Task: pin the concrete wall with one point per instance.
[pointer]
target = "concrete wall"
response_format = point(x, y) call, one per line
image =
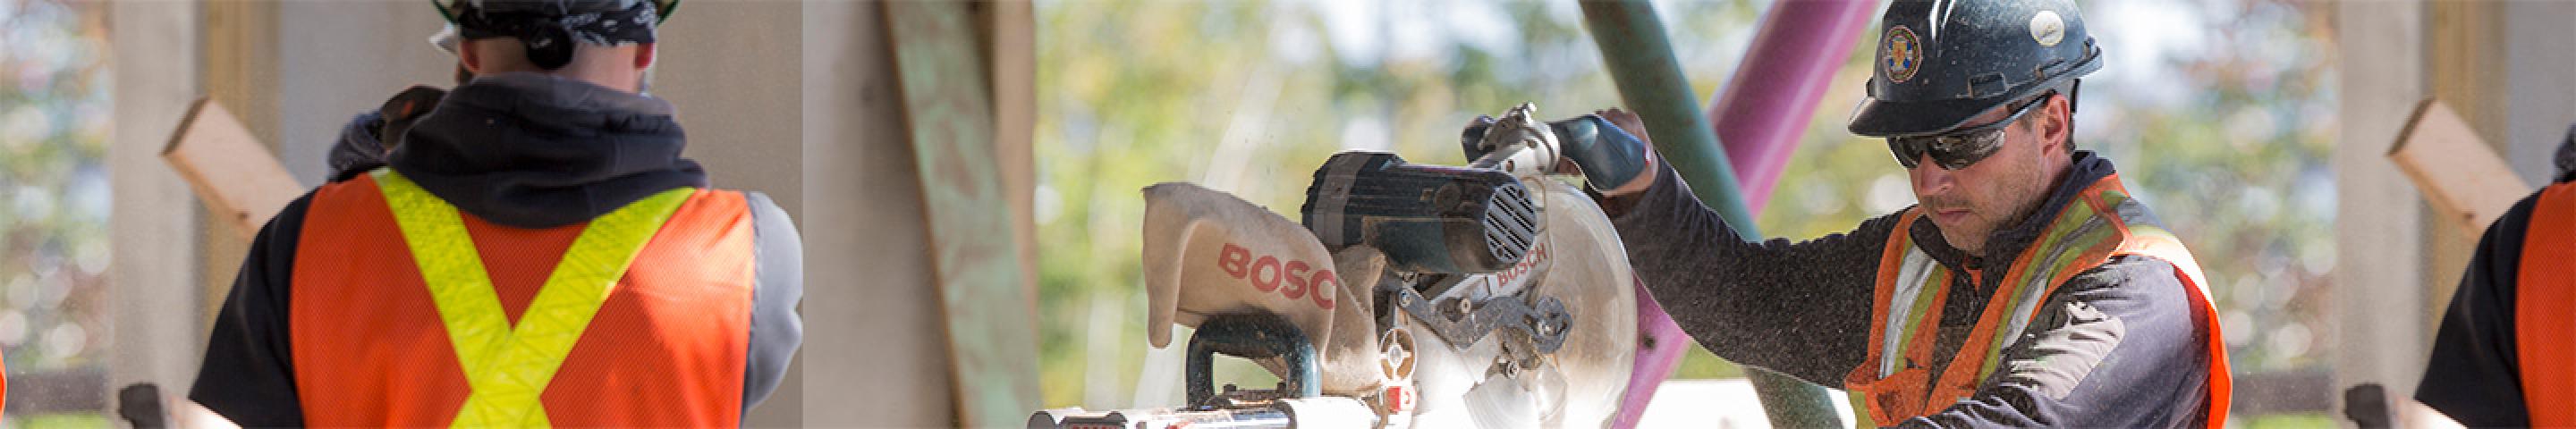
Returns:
point(867, 247)
point(2380, 221)
point(2539, 60)
point(153, 241)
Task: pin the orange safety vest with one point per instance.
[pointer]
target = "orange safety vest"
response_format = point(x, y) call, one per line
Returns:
point(2545, 286)
point(1896, 384)
point(663, 345)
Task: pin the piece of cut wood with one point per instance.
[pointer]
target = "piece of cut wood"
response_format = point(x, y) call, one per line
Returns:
point(989, 310)
point(235, 175)
point(2467, 183)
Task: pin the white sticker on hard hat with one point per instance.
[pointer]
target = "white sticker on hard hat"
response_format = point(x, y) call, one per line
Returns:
point(2047, 28)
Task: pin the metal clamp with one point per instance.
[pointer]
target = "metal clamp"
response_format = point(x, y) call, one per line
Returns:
point(1260, 335)
point(1544, 322)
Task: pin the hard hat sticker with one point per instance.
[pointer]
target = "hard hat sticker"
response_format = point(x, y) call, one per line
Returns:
point(2047, 28)
point(1901, 54)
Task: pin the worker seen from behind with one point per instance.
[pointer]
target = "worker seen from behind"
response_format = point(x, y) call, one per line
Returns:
point(2502, 357)
point(2025, 288)
point(535, 252)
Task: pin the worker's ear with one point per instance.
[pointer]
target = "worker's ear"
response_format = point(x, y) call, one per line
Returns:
point(2053, 124)
point(644, 56)
point(469, 58)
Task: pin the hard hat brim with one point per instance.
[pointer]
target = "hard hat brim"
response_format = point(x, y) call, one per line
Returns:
point(1881, 118)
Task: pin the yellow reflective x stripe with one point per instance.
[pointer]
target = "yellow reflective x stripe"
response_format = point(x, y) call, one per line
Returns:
point(507, 369)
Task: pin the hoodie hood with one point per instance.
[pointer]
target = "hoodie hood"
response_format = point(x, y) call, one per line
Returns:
point(538, 151)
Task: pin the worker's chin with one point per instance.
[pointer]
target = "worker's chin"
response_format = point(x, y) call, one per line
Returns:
point(1964, 237)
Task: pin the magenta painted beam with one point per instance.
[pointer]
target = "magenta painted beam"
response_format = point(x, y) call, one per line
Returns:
point(1664, 343)
point(1758, 119)
point(1773, 95)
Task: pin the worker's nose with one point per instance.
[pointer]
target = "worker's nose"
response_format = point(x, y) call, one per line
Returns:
point(1930, 178)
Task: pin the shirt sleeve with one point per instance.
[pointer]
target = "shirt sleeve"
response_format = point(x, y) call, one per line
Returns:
point(2474, 373)
point(779, 283)
point(2120, 345)
point(1799, 308)
point(249, 372)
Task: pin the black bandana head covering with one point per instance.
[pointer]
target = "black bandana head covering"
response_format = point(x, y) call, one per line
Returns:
point(549, 28)
point(2567, 156)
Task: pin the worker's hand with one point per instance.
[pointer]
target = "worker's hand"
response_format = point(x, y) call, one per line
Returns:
point(1611, 150)
point(1608, 148)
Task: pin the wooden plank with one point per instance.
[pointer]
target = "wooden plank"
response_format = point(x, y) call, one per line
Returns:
point(1010, 28)
point(240, 63)
point(990, 314)
point(2466, 182)
point(236, 176)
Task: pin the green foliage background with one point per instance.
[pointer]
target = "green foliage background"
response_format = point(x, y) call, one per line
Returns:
point(53, 192)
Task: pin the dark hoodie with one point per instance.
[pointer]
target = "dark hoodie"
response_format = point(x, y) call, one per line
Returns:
point(2475, 371)
point(2116, 346)
point(522, 150)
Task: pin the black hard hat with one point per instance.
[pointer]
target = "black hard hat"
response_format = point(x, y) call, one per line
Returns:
point(1941, 62)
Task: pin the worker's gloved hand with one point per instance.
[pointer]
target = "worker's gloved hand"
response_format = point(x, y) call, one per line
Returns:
point(1610, 148)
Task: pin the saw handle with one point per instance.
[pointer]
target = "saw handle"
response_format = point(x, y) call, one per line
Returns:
point(1603, 153)
point(1260, 335)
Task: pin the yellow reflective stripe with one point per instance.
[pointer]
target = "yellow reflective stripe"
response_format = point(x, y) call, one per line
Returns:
point(1905, 302)
point(2033, 273)
point(2070, 239)
point(448, 263)
point(508, 369)
point(1859, 403)
point(1934, 286)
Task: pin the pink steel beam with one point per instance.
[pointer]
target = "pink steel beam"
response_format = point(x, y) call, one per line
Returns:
point(1773, 95)
point(1766, 105)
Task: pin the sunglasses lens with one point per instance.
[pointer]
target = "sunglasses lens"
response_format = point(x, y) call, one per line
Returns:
point(1906, 149)
point(1950, 152)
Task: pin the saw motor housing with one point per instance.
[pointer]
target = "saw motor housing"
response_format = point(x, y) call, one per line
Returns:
point(1426, 218)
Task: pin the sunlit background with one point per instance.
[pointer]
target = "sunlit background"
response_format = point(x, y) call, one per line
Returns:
point(2218, 113)
point(53, 210)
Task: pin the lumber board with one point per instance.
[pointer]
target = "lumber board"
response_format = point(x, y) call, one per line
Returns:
point(239, 180)
point(2467, 183)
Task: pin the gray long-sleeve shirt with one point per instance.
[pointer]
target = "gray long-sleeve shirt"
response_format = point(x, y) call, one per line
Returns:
point(2120, 345)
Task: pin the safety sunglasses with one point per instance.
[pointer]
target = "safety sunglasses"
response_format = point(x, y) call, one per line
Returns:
point(1959, 149)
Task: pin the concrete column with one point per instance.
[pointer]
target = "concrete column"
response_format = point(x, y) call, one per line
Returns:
point(2538, 59)
point(878, 357)
point(2379, 224)
point(154, 242)
point(335, 59)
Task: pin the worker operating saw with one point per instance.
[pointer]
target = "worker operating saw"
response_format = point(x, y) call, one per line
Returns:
point(1493, 294)
point(2026, 287)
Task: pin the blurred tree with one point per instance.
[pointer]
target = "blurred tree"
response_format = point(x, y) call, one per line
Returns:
point(53, 190)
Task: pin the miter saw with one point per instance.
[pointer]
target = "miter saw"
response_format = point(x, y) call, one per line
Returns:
point(1485, 295)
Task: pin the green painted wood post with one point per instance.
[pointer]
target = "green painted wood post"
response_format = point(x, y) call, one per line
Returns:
point(1640, 58)
point(990, 313)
